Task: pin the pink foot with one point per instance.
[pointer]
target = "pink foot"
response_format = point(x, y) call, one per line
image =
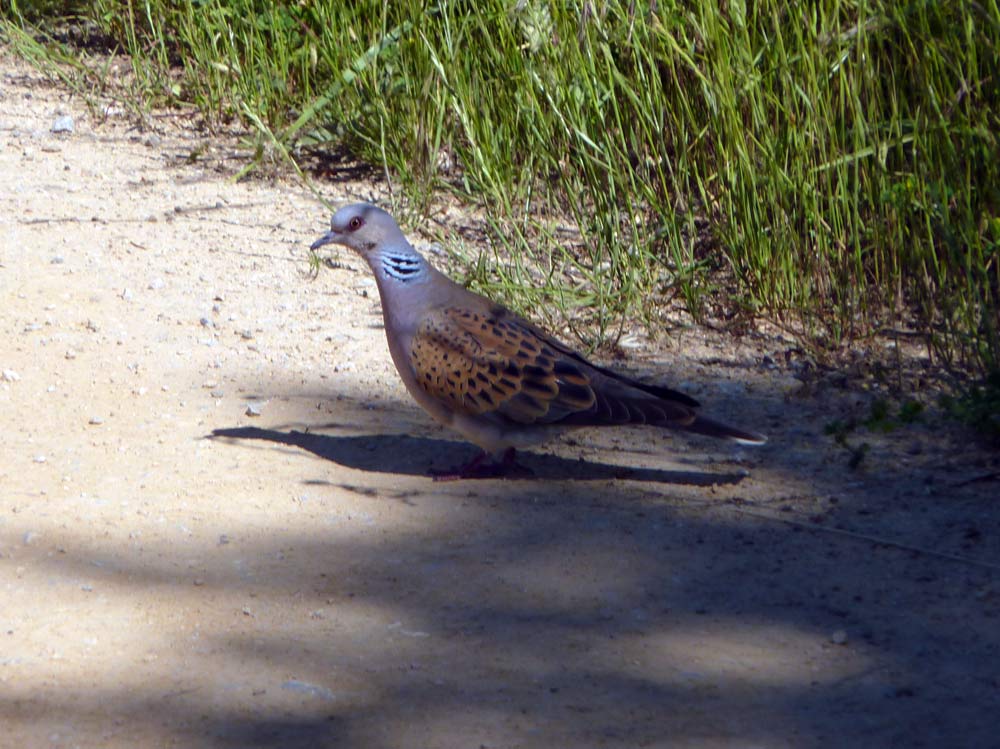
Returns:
point(481, 467)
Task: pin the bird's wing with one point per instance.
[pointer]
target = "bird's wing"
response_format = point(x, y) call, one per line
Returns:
point(492, 362)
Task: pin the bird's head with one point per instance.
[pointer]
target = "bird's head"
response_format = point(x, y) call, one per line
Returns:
point(362, 227)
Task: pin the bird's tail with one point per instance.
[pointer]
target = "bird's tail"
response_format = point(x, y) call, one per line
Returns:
point(711, 428)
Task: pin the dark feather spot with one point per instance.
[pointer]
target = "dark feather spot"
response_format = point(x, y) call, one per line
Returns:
point(563, 367)
point(541, 389)
point(532, 403)
point(530, 370)
point(577, 394)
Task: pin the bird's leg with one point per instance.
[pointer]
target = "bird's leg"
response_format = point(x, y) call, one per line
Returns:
point(479, 468)
point(460, 472)
point(509, 458)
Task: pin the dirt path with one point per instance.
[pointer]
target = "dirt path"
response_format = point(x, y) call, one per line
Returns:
point(296, 581)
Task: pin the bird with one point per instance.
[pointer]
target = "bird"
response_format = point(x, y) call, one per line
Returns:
point(496, 378)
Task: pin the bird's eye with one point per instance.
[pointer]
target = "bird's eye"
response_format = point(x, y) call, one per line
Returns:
point(355, 223)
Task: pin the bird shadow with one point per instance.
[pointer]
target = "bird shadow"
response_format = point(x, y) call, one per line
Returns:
point(413, 456)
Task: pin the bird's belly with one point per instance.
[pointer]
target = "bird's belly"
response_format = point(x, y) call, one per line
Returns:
point(494, 436)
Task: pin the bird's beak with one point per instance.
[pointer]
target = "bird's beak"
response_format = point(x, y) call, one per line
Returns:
point(325, 239)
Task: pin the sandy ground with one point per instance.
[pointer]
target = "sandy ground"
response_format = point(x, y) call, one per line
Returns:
point(175, 571)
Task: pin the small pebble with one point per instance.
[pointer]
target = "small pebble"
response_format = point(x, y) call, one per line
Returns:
point(96, 420)
point(40, 458)
point(9, 375)
point(839, 637)
point(253, 409)
point(156, 284)
point(57, 260)
point(63, 124)
point(70, 354)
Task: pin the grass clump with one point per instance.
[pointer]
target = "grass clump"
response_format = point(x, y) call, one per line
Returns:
point(833, 164)
point(979, 407)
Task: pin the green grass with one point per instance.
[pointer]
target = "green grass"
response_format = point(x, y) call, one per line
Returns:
point(979, 407)
point(833, 164)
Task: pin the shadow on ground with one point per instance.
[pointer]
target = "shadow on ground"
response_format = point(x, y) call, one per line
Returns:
point(413, 456)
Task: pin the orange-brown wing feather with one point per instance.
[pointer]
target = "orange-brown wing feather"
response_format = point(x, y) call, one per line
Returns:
point(484, 363)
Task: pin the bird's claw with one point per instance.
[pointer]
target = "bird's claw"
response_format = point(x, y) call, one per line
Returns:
point(481, 467)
